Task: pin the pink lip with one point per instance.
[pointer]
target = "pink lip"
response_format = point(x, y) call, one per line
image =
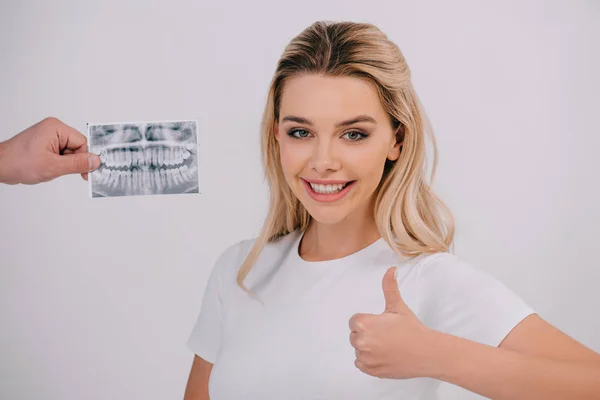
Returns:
point(327, 198)
point(323, 182)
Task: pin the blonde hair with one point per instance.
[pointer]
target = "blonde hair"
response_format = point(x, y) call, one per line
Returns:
point(409, 216)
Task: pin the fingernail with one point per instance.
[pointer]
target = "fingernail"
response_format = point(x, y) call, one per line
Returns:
point(93, 162)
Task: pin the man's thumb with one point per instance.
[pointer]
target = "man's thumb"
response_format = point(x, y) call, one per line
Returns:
point(393, 300)
point(77, 163)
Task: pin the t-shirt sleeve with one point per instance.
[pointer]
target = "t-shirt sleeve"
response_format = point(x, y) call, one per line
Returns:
point(205, 338)
point(463, 301)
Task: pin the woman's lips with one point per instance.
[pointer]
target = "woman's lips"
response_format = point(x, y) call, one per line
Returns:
point(327, 197)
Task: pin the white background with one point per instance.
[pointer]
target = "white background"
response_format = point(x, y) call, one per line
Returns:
point(98, 296)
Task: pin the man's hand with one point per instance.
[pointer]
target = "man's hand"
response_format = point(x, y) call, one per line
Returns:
point(43, 152)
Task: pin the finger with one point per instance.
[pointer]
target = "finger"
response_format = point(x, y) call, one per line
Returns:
point(393, 300)
point(353, 337)
point(70, 138)
point(75, 163)
point(82, 149)
point(358, 364)
point(357, 322)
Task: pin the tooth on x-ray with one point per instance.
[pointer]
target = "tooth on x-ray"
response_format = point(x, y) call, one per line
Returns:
point(144, 158)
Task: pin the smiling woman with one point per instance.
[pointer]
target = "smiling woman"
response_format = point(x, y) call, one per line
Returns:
point(351, 279)
point(333, 161)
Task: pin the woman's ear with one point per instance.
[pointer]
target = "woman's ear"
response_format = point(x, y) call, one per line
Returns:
point(400, 134)
point(276, 130)
point(394, 152)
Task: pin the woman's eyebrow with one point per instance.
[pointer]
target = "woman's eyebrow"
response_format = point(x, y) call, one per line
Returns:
point(300, 120)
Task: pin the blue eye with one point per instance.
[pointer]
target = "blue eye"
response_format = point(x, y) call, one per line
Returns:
point(298, 133)
point(355, 136)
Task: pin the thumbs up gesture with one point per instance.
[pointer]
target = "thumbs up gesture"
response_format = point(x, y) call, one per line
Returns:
point(393, 344)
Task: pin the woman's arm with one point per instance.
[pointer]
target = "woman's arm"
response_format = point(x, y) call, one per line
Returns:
point(197, 385)
point(535, 361)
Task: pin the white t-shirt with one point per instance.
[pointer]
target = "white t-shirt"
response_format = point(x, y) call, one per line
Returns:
point(294, 342)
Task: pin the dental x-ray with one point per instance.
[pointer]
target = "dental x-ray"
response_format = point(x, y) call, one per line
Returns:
point(144, 158)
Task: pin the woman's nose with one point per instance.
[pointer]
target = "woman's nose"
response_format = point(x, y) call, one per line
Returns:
point(324, 157)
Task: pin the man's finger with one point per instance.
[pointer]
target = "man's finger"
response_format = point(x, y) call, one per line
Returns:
point(70, 138)
point(78, 163)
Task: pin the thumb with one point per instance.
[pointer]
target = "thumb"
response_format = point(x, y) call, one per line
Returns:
point(393, 300)
point(76, 163)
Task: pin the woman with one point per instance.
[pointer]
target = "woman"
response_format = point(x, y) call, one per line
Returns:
point(350, 291)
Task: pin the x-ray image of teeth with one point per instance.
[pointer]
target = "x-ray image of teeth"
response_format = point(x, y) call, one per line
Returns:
point(144, 158)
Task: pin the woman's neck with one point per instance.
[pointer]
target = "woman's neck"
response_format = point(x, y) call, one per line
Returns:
point(322, 242)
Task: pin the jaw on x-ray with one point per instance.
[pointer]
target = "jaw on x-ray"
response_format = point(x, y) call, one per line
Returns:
point(144, 158)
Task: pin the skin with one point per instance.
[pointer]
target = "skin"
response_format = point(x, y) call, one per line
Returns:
point(45, 151)
point(319, 149)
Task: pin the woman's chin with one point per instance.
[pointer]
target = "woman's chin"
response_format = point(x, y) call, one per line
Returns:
point(327, 214)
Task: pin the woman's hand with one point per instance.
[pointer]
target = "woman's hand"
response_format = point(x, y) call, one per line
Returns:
point(394, 344)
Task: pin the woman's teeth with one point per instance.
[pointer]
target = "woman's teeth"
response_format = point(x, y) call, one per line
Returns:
point(327, 189)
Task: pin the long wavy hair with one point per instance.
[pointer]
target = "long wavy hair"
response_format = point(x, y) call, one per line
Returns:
point(409, 216)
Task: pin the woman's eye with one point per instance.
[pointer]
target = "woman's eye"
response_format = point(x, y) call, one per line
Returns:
point(356, 136)
point(299, 133)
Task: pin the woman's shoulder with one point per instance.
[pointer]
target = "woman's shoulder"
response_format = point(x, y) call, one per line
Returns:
point(446, 266)
point(441, 259)
point(236, 253)
point(445, 272)
point(466, 300)
point(244, 246)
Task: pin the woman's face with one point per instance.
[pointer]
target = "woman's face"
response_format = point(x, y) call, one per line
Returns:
point(334, 137)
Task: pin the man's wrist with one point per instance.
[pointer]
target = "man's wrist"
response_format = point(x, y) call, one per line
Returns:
point(2, 145)
point(3, 163)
